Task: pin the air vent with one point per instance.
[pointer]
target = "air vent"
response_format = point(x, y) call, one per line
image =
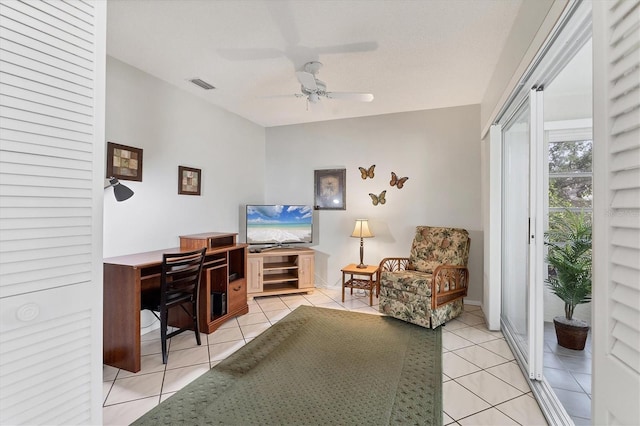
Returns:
point(202, 83)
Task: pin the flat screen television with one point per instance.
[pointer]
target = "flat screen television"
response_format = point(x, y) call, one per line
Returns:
point(279, 224)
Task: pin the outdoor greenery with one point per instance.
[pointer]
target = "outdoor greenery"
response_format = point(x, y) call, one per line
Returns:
point(566, 191)
point(569, 255)
point(566, 158)
point(570, 156)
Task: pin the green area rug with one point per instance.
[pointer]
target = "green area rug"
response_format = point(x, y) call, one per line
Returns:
point(319, 366)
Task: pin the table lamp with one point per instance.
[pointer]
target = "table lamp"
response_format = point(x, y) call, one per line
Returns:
point(120, 191)
point(362, 231)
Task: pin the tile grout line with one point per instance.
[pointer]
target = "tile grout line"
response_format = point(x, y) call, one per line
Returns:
point(479, 396)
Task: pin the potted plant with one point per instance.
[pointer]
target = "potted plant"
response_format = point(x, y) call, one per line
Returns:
point(569, 255)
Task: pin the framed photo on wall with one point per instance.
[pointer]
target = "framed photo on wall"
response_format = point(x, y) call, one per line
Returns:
point(330, 189)
point(124, 162)
point(189, 180)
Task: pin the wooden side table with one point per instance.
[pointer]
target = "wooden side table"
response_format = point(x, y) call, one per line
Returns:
point(370, 283)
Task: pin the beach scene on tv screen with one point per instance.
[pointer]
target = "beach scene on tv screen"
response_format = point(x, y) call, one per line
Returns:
point(279, 224)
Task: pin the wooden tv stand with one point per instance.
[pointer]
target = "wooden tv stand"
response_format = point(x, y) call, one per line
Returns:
point(280, 271)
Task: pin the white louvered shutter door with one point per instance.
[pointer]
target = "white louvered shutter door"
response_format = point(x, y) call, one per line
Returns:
point(616, 286)
point(52, 57)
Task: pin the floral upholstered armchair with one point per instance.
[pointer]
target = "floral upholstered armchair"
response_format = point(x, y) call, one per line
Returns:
point(427, 287)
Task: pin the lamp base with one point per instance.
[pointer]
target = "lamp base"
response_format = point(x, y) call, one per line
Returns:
point(361, 266)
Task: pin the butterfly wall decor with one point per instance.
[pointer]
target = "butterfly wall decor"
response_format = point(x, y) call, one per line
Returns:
point(397, 182)
point(378, 199)
point(367, 173)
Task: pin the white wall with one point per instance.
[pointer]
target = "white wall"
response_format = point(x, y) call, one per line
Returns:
point(175, 128)
point(438, 150)
point(567, 106)
point(570, 95)
point(492, 225)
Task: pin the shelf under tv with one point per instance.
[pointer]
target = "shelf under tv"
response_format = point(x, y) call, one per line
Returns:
point(280, 271)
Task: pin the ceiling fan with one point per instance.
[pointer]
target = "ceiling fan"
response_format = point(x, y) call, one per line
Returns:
point(313, 89)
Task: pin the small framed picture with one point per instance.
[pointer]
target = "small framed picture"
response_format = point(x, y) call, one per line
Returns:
point(124, 162)
point(189, 180)
point(330, 189)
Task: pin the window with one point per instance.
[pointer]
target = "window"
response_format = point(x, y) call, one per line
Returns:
point(570, 174)
point(570, 177)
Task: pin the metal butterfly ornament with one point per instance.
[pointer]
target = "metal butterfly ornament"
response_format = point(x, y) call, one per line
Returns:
point(378, 199)
point(399, 183)
point(367, 173)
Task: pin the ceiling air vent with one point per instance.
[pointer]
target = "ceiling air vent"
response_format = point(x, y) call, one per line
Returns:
point(202, 83)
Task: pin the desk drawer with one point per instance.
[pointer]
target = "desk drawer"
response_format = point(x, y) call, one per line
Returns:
point(237, 294)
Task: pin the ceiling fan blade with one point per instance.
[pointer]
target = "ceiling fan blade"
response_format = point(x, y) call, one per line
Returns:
point(293, 95)
point(307, 80)
point(315, 107)
point(360, 97)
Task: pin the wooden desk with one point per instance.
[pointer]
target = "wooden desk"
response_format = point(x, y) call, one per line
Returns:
point(371, 272)
point(126, 276)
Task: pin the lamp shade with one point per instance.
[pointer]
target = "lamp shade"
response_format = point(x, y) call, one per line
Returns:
point(361, 229)
point(120, 191)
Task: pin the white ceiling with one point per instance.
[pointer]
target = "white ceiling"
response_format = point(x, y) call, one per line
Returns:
point(411, 54)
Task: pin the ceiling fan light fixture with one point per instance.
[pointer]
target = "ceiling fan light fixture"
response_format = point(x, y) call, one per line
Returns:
point(312, 67)
point(313, 89)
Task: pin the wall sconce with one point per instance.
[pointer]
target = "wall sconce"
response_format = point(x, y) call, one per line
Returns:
point(361, 231)
point(120, 191)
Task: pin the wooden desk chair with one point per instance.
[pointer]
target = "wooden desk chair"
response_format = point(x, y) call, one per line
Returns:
point(180, 284)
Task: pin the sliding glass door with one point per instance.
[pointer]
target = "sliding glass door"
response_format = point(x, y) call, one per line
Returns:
point(515, 223)
point(522, 220)
point(525, 196)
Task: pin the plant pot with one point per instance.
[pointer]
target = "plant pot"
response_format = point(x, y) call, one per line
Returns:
point(571, 334)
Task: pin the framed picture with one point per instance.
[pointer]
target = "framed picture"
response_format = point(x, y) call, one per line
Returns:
point(124, 162)
point(330, 189)
point(189, 180)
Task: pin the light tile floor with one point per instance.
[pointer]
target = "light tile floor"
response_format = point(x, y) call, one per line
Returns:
point(482, 384)
point(569, 374)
